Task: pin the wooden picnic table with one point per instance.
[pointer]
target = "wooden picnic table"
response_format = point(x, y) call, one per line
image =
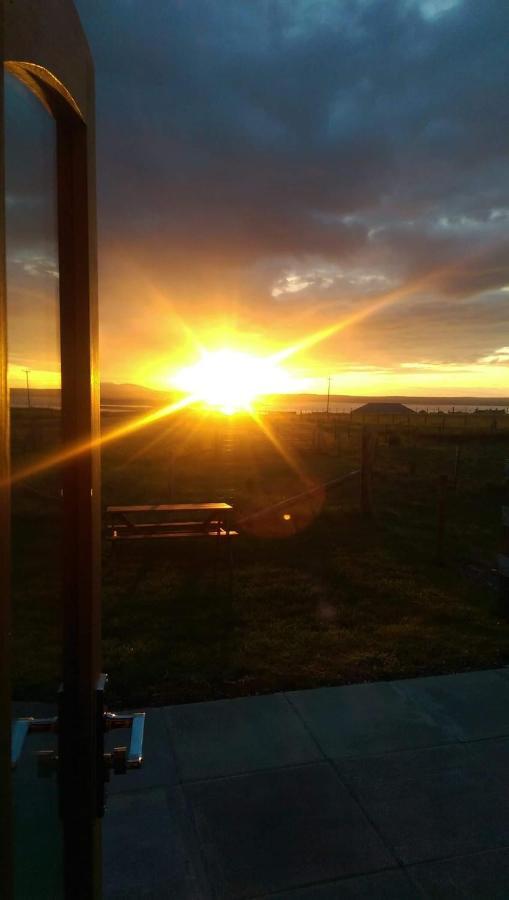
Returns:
point(170, 520)
point(172, 507)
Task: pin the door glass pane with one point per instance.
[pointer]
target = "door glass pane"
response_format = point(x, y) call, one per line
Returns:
point(34, 382)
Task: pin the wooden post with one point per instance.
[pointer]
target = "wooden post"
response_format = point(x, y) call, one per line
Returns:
point(505, 530)
point(457, 460)
point(412, 461)
point(503, 581)
point(503, 557)
point(366, 467)
point(441, 518)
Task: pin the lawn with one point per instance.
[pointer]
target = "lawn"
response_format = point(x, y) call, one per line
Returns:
point(342, 599)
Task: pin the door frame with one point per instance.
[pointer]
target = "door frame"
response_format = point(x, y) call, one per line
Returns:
point(44, 45)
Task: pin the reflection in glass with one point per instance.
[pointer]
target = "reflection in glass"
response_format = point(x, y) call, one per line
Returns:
point(34, 382)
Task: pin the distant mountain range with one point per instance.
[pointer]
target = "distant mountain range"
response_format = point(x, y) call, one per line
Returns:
point(407, 398)
point(135, 393)
point(118, 392)
point(131, 392)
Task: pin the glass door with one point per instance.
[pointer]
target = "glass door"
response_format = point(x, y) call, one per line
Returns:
point(33, 331)
point(52, 652)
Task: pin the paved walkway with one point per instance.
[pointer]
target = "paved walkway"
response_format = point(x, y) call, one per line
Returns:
point(388, 791)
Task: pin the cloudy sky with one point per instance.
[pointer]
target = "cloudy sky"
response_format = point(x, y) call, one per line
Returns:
point(273, 169)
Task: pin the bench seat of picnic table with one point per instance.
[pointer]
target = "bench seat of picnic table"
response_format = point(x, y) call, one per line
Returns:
point(126, 536)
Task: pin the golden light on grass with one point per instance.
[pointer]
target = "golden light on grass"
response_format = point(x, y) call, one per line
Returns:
point(231, 380)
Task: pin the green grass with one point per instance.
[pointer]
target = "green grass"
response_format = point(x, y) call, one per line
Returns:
point(344, 600)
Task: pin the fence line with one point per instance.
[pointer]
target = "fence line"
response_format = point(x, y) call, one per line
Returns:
point(283, 504)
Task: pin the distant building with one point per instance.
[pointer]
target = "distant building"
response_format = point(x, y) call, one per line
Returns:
point(371, 411)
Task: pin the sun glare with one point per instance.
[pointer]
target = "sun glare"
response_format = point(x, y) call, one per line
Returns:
point(230, 380)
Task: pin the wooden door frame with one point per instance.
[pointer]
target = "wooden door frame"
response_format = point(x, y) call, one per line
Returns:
point(44, 46)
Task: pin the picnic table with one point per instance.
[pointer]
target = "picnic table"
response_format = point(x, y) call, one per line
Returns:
point(170, 520)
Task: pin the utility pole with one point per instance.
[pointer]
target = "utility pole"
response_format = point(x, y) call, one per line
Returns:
point(328, 394)
point(27, 372)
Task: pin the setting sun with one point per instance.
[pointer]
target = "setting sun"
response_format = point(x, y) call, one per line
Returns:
point(230, 380)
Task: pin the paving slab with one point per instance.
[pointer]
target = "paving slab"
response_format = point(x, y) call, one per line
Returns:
point(493, 754)
point(270, 831)
point(482, 876)
point(435, 803)
point(503, 671)
point(158, 767)
point(148, 848)
point(312, 795)
point(391, 885)
point(226, 737)
point(367, 718)
point(472, 705)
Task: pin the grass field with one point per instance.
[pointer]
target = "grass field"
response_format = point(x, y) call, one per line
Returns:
point(343, 599)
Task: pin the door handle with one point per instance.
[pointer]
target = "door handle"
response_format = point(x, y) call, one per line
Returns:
point(121, 759)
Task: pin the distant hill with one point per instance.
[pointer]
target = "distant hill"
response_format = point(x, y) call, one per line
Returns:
point(115, 393)
point(111, 393)
point(416, 401)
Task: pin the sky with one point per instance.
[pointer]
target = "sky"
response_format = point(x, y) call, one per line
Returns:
point(274, 170)
point(31, 245)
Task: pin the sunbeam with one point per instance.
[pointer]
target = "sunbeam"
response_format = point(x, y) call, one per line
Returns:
point(76, 450)
point(284, 452)
point(381, 302)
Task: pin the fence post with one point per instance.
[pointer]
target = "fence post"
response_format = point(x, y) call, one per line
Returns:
point(505, 530)
point(441, 517)
point(503, 581)
point(503, 557)
point(366, 471)
point(412, 461)
point(457, 460)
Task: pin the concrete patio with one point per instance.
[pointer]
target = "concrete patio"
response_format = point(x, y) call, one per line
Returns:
point(393, 790)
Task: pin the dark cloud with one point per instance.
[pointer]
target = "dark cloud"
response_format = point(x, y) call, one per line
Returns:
point(240, 113)
point(239, 140)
